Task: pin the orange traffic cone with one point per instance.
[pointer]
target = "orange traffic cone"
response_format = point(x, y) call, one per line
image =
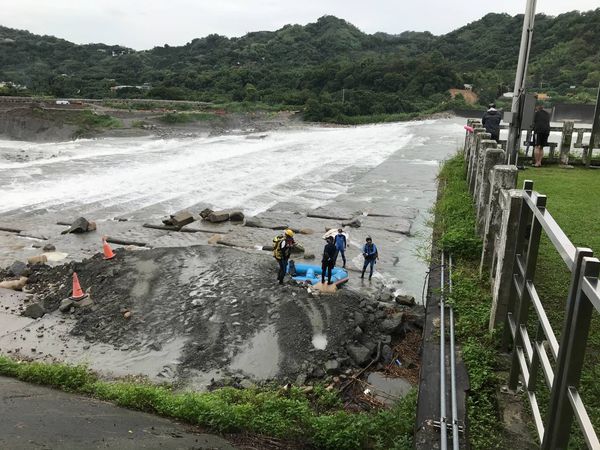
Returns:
point(77, 291)
point(108, 253)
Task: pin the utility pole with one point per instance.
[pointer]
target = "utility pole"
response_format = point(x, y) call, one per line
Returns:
point(513, 142)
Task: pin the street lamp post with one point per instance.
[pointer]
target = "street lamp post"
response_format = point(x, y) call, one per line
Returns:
point(514, 132)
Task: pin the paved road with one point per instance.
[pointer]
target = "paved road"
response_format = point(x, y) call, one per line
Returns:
point(35, 417)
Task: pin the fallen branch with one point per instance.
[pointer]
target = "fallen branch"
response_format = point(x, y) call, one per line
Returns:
point(174, 228)
point(125, 242)
point(10, 230)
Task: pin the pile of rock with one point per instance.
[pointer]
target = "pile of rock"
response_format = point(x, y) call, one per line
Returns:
point(211, 216)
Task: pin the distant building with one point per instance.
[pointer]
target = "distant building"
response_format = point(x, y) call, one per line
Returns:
point(10, 84)
point(63, 102)
point(142, 87)
point(468, 87)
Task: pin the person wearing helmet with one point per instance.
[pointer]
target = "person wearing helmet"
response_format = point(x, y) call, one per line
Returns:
point(328, 261)
point(340, 245)
point(371, 255)
point(282, 249)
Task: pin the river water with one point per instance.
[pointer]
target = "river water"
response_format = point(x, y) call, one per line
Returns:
point(120, 175)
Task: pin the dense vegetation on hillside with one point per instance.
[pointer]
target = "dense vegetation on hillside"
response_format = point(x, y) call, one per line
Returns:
point(329, 68)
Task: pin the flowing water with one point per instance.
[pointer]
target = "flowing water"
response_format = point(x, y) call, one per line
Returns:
point(124, 176)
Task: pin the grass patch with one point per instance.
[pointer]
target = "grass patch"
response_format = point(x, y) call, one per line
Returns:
point(316, 418)
point(181, 118)
point(85, 120)
point(455, 228)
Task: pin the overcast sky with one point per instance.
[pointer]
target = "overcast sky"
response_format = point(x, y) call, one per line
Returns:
point(143, 24)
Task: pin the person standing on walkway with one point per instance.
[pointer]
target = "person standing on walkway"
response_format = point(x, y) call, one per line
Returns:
point(282, 249)
point(328, 260)
point(541, 129)
point(491, 121)
point(371, 255)
point(340, 245)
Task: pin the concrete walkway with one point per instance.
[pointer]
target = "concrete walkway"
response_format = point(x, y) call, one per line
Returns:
point(35, 417)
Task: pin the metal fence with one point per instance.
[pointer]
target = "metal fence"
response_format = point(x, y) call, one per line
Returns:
point(531, 355)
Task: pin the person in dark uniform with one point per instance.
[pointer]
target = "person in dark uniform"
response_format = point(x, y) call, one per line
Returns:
point(328, 261)
point(371, 255)
point(541, 129)
point(491, 121)
point(340, 245)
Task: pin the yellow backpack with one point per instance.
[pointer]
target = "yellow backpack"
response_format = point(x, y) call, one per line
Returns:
point(277, 246)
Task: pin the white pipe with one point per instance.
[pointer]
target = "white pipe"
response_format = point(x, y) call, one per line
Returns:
point(455, 443)
point(443, 430)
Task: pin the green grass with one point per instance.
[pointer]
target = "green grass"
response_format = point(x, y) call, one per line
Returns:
point(181, 118)
point(573, 202)
point(85, 120)
point(455, 231)
point(316, 418)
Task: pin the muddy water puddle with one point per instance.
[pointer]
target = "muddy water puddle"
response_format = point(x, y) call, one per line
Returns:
point(386, 389)
point(259, 358)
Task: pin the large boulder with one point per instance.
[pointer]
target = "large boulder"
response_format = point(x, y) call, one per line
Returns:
point(179, 219)
point(217, 217)
point(15, 285)
point(332, 367)
point(393, 324)
point(205, 213)
point(407, 300)
point(65, 305)
point(80, 225)
point(359, 318)
point(17, 269)
point(34, 311)
point(38, 259)
point(236, 216)
point(359, 353)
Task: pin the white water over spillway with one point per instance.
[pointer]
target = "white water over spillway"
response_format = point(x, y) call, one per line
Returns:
point(122, 175)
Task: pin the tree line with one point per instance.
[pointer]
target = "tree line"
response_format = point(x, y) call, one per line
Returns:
point(329, 69)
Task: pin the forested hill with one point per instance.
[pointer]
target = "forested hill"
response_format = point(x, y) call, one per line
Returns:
point(310, 66)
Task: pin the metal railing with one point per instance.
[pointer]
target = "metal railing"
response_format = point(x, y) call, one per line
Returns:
point(529, 356)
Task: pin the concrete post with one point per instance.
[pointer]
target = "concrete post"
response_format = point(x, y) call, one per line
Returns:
point(473, 152)
point(469, 142)
point(480, 135)
point(504, 256)
point(565, 142)
point(481, 177)
point(503, 177)
point(493, 156)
